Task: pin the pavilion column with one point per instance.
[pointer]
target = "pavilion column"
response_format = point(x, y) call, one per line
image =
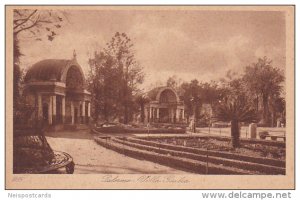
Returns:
point(72, 112)
point(89, 111)
point(177, 114)
point(40, 107)
point(183, 114)
point(150, 116)
point(63, 109)
point(146, 115)
point(54, 109)
point(83, 112)
point(157, 113)
point(172, 114)
point(50, 111)
point(79, 114)
point(153, 113)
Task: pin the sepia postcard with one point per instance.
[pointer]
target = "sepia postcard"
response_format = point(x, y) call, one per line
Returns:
point(150, 97)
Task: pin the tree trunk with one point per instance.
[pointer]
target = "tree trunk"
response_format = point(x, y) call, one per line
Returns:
point(105, 112)
point(265, 110)
point(16, 78)
point(257, 102)
point(126, 101)
point(126, 113)
point(194, 119)
point(235, 133)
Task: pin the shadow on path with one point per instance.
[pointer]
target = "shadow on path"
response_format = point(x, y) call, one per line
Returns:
point(78, 134)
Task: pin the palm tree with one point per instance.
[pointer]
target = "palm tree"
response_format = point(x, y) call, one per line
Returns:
point(235, 111)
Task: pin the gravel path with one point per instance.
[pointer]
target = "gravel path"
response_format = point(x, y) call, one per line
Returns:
point(91, 158)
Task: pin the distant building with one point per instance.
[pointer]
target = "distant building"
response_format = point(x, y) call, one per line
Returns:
point(57, 88)
point(164, 106)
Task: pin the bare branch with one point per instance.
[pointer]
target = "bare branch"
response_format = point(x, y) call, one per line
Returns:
point(25, 20)
point(28, 27)
point(17, 11)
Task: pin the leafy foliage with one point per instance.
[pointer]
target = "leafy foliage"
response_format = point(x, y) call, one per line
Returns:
point(192, 97)
point(102, 83)
point(141, 100)
point(194, 94)
point(37, 23)
point(114, 78)
point(174, 82)
point(235, 108)
point(264, 81)
point(26, 23)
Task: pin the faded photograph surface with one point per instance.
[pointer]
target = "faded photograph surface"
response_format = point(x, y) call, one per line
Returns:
point(149, 91)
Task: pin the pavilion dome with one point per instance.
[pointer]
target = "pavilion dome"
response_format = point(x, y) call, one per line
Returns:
point(52, 70)
point(161, 93)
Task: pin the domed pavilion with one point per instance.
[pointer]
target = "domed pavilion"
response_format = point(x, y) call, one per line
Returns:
point(57, 88)
point(164, 106)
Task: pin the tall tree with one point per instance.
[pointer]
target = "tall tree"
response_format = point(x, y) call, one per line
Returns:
point(174, 82)
point(141, 101)
point(129, 71)
point(194, 94)
point(114, 78)
point(193, 97)
point(277, 108)
point(212, 93)
point(30, 24)
point(103, 83)
point(264, 81)
point(16, 75)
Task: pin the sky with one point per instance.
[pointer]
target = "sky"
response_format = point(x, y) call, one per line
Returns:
point(191, 44)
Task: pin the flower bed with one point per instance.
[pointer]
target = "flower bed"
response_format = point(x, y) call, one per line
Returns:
point(206, 143)
point(218, 160)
